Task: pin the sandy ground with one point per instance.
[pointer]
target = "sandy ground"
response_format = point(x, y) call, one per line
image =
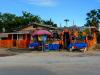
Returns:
point(5, 52)
point(51, 63)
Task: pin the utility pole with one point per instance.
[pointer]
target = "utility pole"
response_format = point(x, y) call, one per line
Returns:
point(66, 20)
point(60, 25)
point(73, 23)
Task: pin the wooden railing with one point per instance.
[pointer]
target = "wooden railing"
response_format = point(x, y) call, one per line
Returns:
point(18, 43)
point(6, 43)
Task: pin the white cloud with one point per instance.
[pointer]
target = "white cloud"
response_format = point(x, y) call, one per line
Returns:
point(43, 2)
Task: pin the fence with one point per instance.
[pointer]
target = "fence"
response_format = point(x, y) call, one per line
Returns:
point(14, 43)
point(22, 43)
point(6, 43)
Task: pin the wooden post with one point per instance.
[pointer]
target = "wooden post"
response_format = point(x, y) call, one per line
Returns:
point(12, 41)
point(25, 36)
point(31, 38)
point(12, 36)
point(95, 38)
point(17, 36)
point(17, 42)
point(26, 39)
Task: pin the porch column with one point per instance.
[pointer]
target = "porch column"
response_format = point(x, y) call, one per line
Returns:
point(31, 37)
point(12, 36)
point(17, 36)
point(25, 36)
point(95, 37)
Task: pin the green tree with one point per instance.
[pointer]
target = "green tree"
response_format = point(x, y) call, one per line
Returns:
point(7, 21)
point(0, 22)
point(11, 22)
point(49, 22)
point(28, 17)
point(93, 18)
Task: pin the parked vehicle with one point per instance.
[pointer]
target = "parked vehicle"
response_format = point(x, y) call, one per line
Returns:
point(77, 46)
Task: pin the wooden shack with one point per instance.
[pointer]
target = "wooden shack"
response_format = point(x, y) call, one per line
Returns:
point(21, 37)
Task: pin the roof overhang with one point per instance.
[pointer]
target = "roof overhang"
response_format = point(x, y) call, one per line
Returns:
point(3, 35)
point(19, 32)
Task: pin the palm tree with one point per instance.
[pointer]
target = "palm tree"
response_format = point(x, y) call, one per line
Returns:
point(93, 18)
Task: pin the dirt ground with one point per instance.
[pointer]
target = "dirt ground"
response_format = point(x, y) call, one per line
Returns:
point(50, 63)
point(10, 52)
point(4, 52)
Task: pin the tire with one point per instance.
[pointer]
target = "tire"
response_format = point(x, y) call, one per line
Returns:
point(71, 49)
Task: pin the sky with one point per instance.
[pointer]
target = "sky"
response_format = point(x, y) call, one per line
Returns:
point(57, 10)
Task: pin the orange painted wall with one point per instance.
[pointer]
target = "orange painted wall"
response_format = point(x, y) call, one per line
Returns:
point(6, 43)
point(10, 43)
point(92, 42)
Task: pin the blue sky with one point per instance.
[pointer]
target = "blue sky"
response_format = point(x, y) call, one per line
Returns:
point(58, 10)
